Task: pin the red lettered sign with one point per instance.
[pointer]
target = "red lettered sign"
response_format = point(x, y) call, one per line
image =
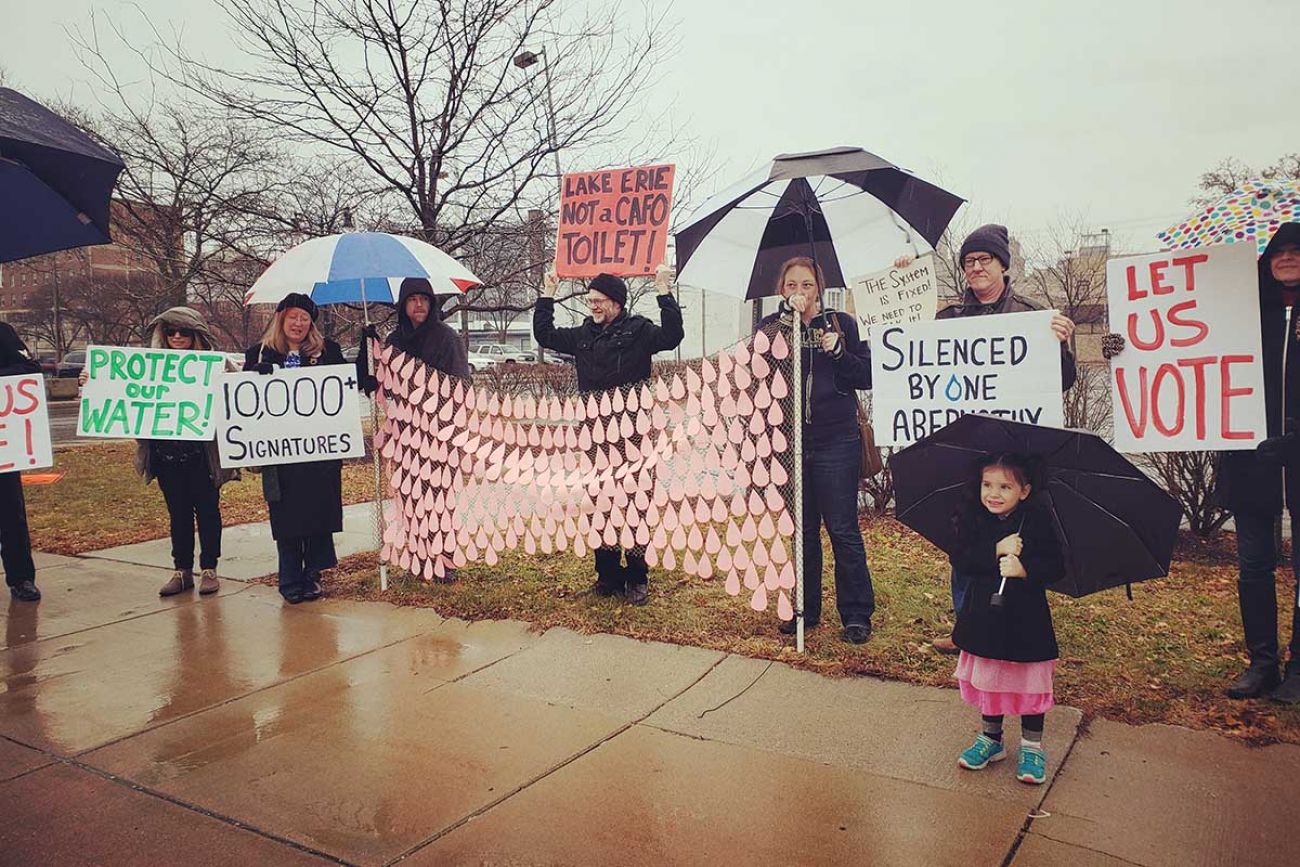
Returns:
point(614, 221)
point(1190, 376)
point(24, 424)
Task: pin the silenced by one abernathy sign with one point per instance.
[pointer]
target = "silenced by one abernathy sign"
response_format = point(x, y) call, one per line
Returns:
point(928, 374)
point(290, 417)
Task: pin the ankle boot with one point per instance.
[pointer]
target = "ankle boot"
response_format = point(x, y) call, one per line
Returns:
point(208, 582)
point(1289, 691)
point(1258, 680)
point(181, 580)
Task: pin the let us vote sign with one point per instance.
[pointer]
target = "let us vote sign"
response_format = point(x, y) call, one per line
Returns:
point(160, 394)
point(289, 417)
point(1190, 377)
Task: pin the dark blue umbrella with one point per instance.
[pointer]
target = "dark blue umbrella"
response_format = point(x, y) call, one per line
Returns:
point(55, 181)
point(1116, 525)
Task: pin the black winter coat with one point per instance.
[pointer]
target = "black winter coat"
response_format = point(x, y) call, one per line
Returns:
point(1245, 483)
point(615, 354)
point(1010, 302)
point(304, 499)
point(15, 360)
point(1021, 630)
point(830, 384)
point(432, 341)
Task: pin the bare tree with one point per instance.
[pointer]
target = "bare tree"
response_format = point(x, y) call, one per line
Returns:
point(1231, 173)
point(427, 98)
point(1190, 478)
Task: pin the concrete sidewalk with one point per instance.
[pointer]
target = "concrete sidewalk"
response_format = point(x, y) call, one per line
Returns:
point(239, 730)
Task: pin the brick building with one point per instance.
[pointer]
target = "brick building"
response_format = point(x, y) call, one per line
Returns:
point(29, 288)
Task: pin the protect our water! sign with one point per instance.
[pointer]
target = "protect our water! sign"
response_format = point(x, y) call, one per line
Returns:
point(149, 393)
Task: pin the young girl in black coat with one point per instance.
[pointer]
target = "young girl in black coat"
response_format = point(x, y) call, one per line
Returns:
point(1009, 551)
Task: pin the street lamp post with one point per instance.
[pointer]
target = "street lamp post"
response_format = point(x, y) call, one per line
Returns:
point(523, 60)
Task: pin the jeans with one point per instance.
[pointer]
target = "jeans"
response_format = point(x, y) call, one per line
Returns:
point(302, 558)
point(15, 540)
point(830, 496)
point(191, 497)
point(1257, 557)
point(960, 588)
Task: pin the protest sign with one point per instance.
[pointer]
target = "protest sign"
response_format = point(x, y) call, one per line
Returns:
point(24, 424)
point(289, 417)
point(927, 375)
point(1190, 377)
point(149, 393)
point(896, 296)
point(614, 221)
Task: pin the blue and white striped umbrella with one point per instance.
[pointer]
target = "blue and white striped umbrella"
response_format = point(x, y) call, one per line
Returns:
point(358, 267)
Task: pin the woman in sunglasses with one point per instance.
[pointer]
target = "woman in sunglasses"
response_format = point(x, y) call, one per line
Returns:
point(188, 473)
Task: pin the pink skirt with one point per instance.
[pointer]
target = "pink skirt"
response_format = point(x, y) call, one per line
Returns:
point(999, 688)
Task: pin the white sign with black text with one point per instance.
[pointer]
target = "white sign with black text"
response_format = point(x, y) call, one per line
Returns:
point(926, 375)
point(289, 417)
point(896, 296)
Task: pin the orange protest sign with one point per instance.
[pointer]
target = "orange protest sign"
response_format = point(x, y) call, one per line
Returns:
point(614, 221)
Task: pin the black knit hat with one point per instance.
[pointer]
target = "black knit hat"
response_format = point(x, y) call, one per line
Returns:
point(989, 238)
point(611, 287)
point(301, 301)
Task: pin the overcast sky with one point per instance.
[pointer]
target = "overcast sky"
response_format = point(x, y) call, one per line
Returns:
point(1030, 109)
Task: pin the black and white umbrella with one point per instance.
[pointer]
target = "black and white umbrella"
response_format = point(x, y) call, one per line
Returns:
point(852, 211)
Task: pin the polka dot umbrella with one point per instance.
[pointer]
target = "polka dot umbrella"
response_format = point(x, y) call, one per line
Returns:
point(1250, 214)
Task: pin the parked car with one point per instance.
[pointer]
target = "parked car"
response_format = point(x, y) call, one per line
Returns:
point(478, 361)
point(49, 365)
point(505, 354)
point(70, 366)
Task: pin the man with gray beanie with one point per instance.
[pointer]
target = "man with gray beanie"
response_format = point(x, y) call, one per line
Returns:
point(612, 349)
point(985, 262)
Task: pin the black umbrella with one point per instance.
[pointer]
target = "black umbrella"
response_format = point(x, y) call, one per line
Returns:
point(55, 181)
point(852, 211)
point(1116, 525)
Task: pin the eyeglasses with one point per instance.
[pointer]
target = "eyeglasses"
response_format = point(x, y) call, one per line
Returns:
point(599, 302)
point(971, 261)
point(179, 332)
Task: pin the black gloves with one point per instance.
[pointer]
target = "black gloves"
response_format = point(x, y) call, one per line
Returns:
point(371, 332)
point(264, 367)
point(1280, 450)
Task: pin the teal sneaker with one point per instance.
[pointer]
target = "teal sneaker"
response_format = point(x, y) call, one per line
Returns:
point(1032, 767)
point(980, 753)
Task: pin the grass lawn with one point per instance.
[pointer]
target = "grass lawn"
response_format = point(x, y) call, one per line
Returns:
point(101, 502)
point(1164, 657)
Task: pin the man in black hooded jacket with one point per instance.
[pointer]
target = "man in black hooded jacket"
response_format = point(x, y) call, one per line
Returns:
point(15, 540)
point(421, 332)
point(610, 349)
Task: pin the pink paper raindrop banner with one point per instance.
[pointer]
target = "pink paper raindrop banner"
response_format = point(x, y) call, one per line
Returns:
point(693, 465)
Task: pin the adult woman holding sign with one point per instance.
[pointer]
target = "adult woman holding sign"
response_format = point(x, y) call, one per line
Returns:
point(188, 472)
point(305, 499)
point(1254, 485)
point(836, 365)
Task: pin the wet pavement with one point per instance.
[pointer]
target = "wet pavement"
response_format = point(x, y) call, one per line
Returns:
point(238, 730)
